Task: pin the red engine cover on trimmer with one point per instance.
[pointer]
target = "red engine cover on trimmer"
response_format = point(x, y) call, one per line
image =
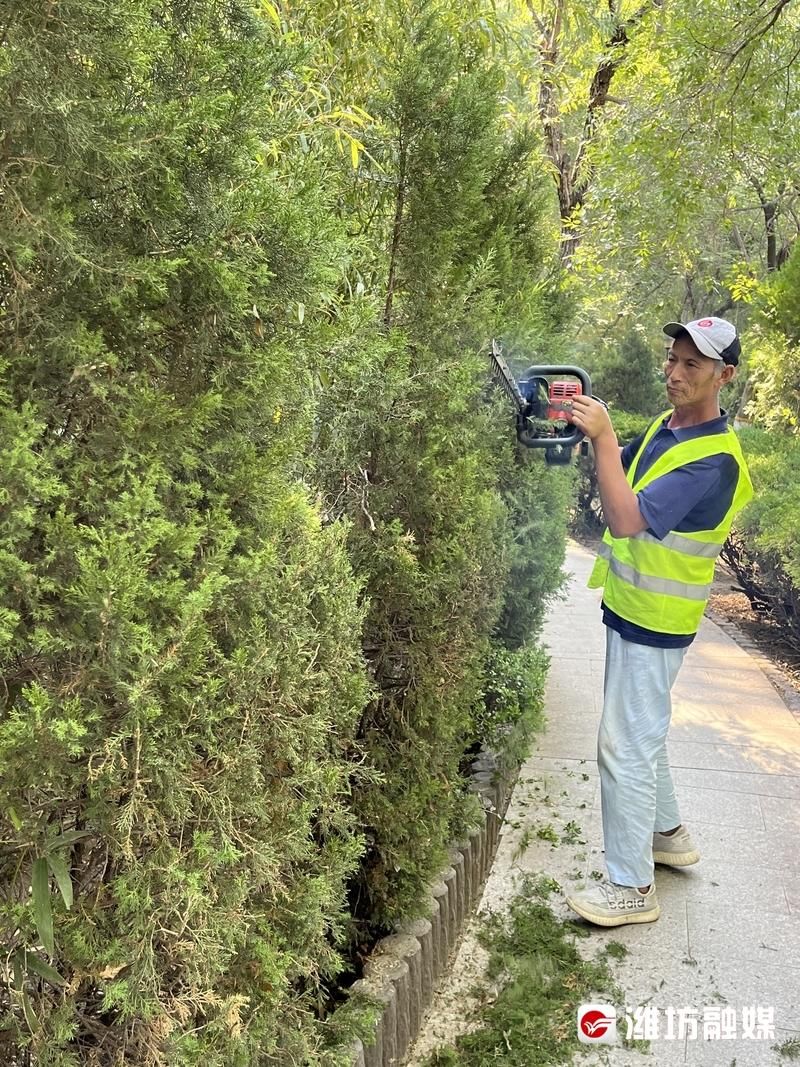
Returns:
point(561, 393)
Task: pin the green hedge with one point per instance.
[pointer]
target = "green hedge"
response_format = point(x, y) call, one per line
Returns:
point(459, 536)
point(181, 659)
point(763, 549)
point(266, 548)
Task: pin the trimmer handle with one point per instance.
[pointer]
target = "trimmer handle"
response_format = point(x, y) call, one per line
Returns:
point(568, 441)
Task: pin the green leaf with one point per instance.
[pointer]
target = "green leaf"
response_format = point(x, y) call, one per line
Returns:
point(58, 865)
point(17, 971)
point(29, 961)
point(14, 818)
point(30, 1014)
point(271, 12)
point(42, 908)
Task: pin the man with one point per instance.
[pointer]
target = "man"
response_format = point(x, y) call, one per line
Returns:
point(669, 499)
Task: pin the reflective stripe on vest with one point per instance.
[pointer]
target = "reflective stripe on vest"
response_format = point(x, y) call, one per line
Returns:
point(676, 541)
point(658, 585)
point(663, 585)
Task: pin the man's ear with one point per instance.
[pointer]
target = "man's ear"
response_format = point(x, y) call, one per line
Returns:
point(728, 374)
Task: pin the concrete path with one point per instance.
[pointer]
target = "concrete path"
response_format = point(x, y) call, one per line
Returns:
point(729, 932)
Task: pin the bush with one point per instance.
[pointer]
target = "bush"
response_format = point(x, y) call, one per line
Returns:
point(628, 425)
point(260, 522)
point(764, 548)
point(772, 347)
point(181, 635)
point(440, 507)
point(628, 375)
point(774, 381)
point(539, 499)
point(512, 707)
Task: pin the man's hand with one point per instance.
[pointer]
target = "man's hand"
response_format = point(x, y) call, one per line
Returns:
point(591, 417)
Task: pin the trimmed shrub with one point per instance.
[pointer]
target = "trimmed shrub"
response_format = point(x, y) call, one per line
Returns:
point(265, 545)
point(512, 707)
point(181, 635)
point(426, 471)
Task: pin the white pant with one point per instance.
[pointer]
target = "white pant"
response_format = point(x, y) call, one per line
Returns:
point(636, 789)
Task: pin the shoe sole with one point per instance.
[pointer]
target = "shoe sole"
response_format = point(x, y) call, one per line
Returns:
point(648, 916)
point(676, 859)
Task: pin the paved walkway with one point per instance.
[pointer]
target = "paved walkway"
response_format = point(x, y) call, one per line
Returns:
point(729, 932)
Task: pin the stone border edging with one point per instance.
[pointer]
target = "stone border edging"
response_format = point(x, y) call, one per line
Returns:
point(404, 968)
point(776, 677)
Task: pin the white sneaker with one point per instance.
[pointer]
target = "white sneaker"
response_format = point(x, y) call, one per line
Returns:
point(609, 904)
point(675, 850)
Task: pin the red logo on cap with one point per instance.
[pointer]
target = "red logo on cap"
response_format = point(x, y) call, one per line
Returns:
point(705, 322)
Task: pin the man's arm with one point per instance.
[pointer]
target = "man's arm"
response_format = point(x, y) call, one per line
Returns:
point(620, 507)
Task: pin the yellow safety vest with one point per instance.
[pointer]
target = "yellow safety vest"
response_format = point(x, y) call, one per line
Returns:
point(664, 585)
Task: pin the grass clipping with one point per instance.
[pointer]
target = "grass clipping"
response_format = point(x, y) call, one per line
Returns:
point(542, 978)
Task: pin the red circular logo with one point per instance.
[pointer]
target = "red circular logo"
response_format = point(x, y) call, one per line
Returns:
point(705, 322)
point(594, 1023)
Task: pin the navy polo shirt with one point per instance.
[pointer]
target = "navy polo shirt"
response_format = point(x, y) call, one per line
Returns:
point(694, 497)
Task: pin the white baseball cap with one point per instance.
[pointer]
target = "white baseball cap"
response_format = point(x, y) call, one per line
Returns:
point(715, 338)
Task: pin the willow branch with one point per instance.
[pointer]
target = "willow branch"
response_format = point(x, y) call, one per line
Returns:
point(772, 17)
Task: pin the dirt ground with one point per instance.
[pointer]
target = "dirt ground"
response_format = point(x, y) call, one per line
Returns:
point(730, 602)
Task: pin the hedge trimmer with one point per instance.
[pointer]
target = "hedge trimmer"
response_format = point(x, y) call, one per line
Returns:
point(543, 406)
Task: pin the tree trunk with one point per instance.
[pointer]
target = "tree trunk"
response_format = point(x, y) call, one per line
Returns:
point(573, 176)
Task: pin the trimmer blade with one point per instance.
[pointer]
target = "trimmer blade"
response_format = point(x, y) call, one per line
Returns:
point(505, 379)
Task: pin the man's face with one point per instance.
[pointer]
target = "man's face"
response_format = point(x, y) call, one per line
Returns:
point(692, 379)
